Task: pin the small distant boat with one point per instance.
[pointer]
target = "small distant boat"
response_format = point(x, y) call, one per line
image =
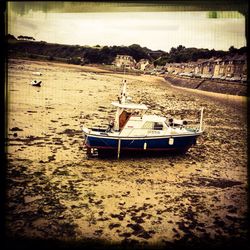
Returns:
point(140, 132)
point(36, 83)
point(37, 73)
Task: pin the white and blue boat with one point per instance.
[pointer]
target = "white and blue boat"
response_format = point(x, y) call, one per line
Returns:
point(133, 129)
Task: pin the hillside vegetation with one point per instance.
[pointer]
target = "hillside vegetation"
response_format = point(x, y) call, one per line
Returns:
point(77, 54)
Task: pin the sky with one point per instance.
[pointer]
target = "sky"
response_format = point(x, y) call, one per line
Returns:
point(155, 30)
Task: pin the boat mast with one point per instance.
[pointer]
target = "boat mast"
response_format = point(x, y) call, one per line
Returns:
point(123, 94)
point(122, 99)
point(201, 119)
point(124, 89)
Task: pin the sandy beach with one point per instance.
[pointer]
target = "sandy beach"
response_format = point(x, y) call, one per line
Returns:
point(55, 192)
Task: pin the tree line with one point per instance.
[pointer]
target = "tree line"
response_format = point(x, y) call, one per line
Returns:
point(106, 55)
point(182, 54)
point(26, 38)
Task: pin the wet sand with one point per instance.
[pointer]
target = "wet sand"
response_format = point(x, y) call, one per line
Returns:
point(55, 192)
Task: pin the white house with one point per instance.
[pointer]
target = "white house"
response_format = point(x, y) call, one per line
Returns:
point(124, 61)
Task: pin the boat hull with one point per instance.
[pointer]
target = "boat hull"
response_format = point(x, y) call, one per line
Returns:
point(180, 143)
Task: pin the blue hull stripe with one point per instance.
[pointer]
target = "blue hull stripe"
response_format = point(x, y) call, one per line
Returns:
point(182, 142)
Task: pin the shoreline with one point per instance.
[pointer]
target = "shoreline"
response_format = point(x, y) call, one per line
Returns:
point(103, 69)
point(221, 96)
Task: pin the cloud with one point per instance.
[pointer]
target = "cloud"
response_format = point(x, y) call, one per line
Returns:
point(156, 30)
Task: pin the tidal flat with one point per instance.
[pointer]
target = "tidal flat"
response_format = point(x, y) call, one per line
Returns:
point(55, 192)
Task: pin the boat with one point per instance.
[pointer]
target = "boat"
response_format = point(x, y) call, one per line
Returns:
point(37, 73)
point(133, 129)
point(36, 83)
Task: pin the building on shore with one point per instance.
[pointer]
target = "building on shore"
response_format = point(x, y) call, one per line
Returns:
point(235, 66)
point(174, 68)
point(218, 67)
point(144, 64)
point(125, 61)
point(228, 66)
point(208, 67)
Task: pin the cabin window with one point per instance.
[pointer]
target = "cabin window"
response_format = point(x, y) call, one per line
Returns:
point(158, 126)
